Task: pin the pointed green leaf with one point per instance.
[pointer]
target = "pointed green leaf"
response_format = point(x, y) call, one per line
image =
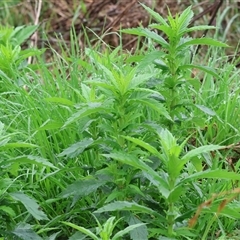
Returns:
point(85, 111)
point(131, 160)
point(154, 14)
point(18, 145)
point(102, 85)
point(86, 91)
point(51, 125)
point(27, 53)
point(163, 28)
point(7, 210)
point(127, 230)
point(78, 236)
point(217, 174)
point(108, 227)
point(82, 187)
point(200, 150)
point(124, 205)
point(199, 28)
point(208, 70)
point(83, 230)
point(202, 41)
point(54, 236)
point(138, 80)
point(77, 148)
point(22, 33)
point(176, 193)
point(184, 20)
point(32, 160)
point(144, 32)
point(149, 59)
point(206, 110)
point(59, 100)
point(24, 231)
point(30, 204)
point(154, 105)
point(137, 233)
point(109, 74)
point(143, 144)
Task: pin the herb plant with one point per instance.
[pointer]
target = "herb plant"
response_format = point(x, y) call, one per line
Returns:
point(108, 144)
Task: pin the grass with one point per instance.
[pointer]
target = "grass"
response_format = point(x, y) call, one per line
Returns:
point(109, 145)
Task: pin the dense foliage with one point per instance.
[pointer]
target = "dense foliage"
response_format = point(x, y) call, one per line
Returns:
point(108, 144)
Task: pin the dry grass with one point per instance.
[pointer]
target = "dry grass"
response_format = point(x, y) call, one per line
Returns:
point(106, 17)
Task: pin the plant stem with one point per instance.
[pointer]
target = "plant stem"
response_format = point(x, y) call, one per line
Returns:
point(208, 227)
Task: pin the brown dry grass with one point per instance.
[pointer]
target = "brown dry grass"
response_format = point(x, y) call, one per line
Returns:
point(103, 17)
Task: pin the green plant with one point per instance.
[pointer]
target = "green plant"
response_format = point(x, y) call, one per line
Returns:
point(12, 57)
point(98, 138)
point(137, 167)
point(105, 231)
point(11, 194)
point(174, 58)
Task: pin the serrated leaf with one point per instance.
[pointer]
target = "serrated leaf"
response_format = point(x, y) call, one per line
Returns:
point(144, 32)
point(202, 41)
point(137, 233)
point(77, 148)
point(54, 236)
point(218, 174)
point(184, 20)
point(149, 58)
point(78, 236)
point(206, 110)
point(82, 187)
point(22, 33)
point(154, 14)
point(109, 74)
point(85, 111)
point(131, 160)
point(124, 205)
point(25, 232)
point(199, 28)
point(105, 86)
point(33, 160)
point(114, 195)
point(154, 105)
point(206, 69)
point(30, 204)
point(139, 79)
point(127, 230)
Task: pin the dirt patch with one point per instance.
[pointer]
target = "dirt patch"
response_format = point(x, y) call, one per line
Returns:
point(103, 18)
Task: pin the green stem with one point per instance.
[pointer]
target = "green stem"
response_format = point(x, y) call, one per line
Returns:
point(170, 219)
point(208, 227)
point(171, 210)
